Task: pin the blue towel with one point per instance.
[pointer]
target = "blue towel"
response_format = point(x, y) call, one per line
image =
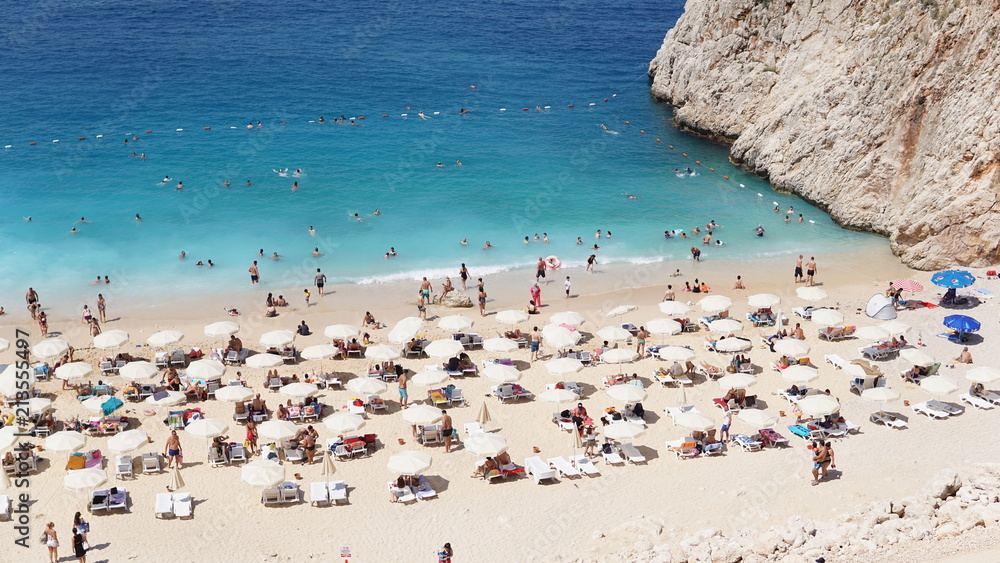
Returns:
point(111, 405)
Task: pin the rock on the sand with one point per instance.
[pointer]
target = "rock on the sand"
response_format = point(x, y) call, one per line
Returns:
point(944, 484)
point(455, 299)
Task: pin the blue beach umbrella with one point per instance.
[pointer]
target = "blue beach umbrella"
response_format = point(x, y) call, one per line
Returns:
point(961, 323)
point(953, 279)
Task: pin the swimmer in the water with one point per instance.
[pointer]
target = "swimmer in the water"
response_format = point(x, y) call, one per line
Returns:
point(777, 209)
point(142, 156)
point(630, 196)
point(210, 264)
point(249, 183)
point(719, 242)
point(458, 162)
point(440, 165)
point(609, 234)
point(358, 218)
point(261, 252)
point(791, 210)
point(312, 231)
point(28, 219)
point(200, 263)
point(596, 247)
point(526, 240)
point(711, 225)
point(536, 236)
point(295, 186)
point(377, 212)
point(545, 237)
point(82, 220)
point(472, 86)
point(465, 242)
point(463, 110)
point(421, 115)
point(800, 218)
point(487, 245)
point(137, 218)
point(275, 257)
point(316, 252)
point(183, 254)
point(73, 231)
point(598, 234)
point(259, 126)
point(180, 185)
point(249, 126)
point(788, 218)
point(321, 119)
point(226, 183)
point(579, 240)
point(298, 172)
point(666, 234)
point(392, 251)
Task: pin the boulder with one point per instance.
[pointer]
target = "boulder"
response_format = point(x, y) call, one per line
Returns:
point(943, 485)
point(456, 299)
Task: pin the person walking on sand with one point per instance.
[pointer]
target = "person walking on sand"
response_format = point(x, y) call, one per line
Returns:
point(540, 270)
point(404, 395)
point(820, 459)
point(446, 553)
point(535, 341)
point(254, 274)
point(173, 450)
point(482, 301)
point(446, 430)
point(79, 549)
point(727, 421)
point(463, 273)
point(810, 270)
point(831, 461)
point(52, 542)
point(307, 295)
point(320, 280)
point(798, 269)
point(640, 339)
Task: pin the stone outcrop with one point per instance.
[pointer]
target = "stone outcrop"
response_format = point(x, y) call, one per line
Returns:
point(455, 299)
point(884, 113)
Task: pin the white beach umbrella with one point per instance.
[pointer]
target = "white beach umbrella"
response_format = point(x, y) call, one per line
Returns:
point(939, 385)
point(37, 405)
point(344, 422)
point(277, 430)
point(128, 441)
point(725, 326)
point(234, 394)
point(872, 332)
point(221, 329)
point(613, 334)
point(563, 366)
point(366, 386)
point(983, 374)
point(663, 327)
point(444, 348)
point(763, 300)
point(736, 381)
point(624, 430)
point(810, 293)
point(139, 371)
point(409, 463)
point(674, 308)
point(881, 394)
point(170, 399)
point(262, 473)
point(341, 331)
point(110, 339)
point(164, 338)
point(264, 361)
point(715, 303)
point(619, 355)
point(791, 347)
point(422, 415)
point(456, 323)
point(51, 348)
point(733, 345)
point(694, 421)
point(74, 370)
point(277, 338)
point(382, 353)
point(511, 317)
point(500, 373)
point(819, 405)
point(319, 352)
point(405, 330)
point(916, 357)
point(96, 404)
point(4, 344)
point(559, 396)
point(627, 393)
point(65, 441)
point(299, 390)
point(800, 374)
point(429, 377)
point(827, 317)
point(486, 445)
point(756, 418)
point(80, 479)
point(621, 310)
point(895, 328)
point(8, 437)
point(854, 370)
point(206, 369)
point(499, 345)
point(10, 383)
point(208, 427)
point(676, 353)
point(560, 337)
point(571, 318)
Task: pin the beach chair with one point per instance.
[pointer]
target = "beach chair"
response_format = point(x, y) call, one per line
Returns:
point(178, 358)
point(5, 507)
point(457, 398)
point(237, 453)
point(424, 490)
point(118, 498)
point(473, 428)
point(583, 463)
point(924, 408)
point(403, 495)
point(538, 469)
point(745, 443)
point(107, 368)
point(771, 438)
point(563, 467)
point(99, 500)
point(289, 492)
point(611, 455)
point(146, 391)
point(240, 413)
point(232, 357)
point(274, 383)
point(151, 463)
point(292, 455)
point(437, 397)
point(123, 466)
point(992, 397)
point(682, 449)
point(161, 360)
point(217, 456)
point(164, 505)
point(271, 496)
point(319, 493)
point(836, 360)
point(504, 392)
point(211, 387)
point(337, 491)
point(430, 435)
point(632, 453)
point(952, 410)
point(342, 452)
point(182, 505)
point(375, 403)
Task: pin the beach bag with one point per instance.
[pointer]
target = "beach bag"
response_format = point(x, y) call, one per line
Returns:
point(44, 539)
point(86, 545)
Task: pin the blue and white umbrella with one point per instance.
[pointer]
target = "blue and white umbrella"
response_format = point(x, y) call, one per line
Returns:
point(953, 279)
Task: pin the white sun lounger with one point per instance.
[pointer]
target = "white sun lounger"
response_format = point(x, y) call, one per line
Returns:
point(977, 402)
point(182, 505)
point(538, 469)
point(950, 409)
point(612, 457)
point(746, 443)
point(632, 453)
point(583, 463)
point(424, 490)
point(319, 493)
point(164, 505)
point(887, 419)
point(925, 408)
point(338, 491)
point(836, 360)
point(992, 397)
point(563, 467)
point(403, 495)
point(674, 411)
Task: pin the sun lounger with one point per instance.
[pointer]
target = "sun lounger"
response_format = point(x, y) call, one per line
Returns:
point(271, 496)
point(709, 371)
point(992, 397)
point(403, 495)
point(946, 407)
point(217, 456)
point(538, 469)
point(803, 312)
point(424, 490)
point(319, 493)
point(118, 499)
point(583, 463)
point(182, 505)
point(612, 457)
point(925, 408)
point(437, 397)
point(123, 466)
point(682, 449)
point(164, 505)
point(289, 492)
point(887, 419)
point(665, 379)
point(977, 402)
point(98, 500)
point(836, 360)
point(771, 438)
point(674, 411)
point(632, 453)
point(563, 467)
point(807, 433)
point(745, 443)
point(337, 491)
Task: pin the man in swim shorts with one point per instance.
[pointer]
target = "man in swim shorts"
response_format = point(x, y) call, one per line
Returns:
point(403, 393)
point(798, 269)
point(536, 342)
point(254, 273)
point(320, 280)
point(810, 270)
point(173, 449)
point(540, 270)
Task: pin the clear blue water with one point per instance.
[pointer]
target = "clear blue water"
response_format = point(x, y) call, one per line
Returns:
point(116, 68)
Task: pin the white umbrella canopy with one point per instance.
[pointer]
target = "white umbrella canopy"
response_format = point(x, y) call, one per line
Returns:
point(382, 353)
point(456, 323)
point(763, 300)
point(206, 369)
point(916, 357)
point(501, 373)
point(558, 396)
point(676, 353)
point(74, 370)
point(277, 338)
point(627, 393)
point(65, 441)
point(8, 437)
point(663, 327)
point(715, 303)
point(127, 441)
point(725, 326)
point(234, 394)
point(792, 347)
point(881, 394)
point(139, 371)
point(819, 405)
point(262, 473)
point(343, 422)
point(613, 334)
point(319, 352)
point(563, 366)
point(264, 361)
point(276, 430)
point(164, 338)
point(429, 377)
point(939, 385)
point(621, 310)
point(299, 390)
point(811, 293)
point(80, 479)
point(221, 329)
point(619, 355)
point(341, 331)
point(4, 344)
point(51, 348)
point(895, 328)
point(10, 384)
point(827, 317)
point(444, 348)
point(110, 339)
point(674, 308)
point(499, 345)
point(511, 317)
point(560, 337)
point(367, 385)
point(405, 330)
point(624, 430)
point(872, 332)
point(37, 405)
point(422, 415)
point(733, 345)
point(983, 374)
point(736, 381)
point(571, 318)
point(757, 418)
point(486, 445)
point(96, 404)
point(409, 463)
point(800, 374)
point(207, 427)
point(694, 421)
point(172, 398)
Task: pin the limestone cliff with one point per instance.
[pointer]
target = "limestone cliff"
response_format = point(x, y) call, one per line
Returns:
point(885, 113)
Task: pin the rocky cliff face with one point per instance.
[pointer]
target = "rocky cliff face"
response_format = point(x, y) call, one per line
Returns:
point(885, 113)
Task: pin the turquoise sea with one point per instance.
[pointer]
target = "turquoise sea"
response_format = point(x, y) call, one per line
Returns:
point(166, 71)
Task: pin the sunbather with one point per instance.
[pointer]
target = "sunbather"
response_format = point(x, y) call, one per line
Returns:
point(964, 358)
point(977, 390)
point(488, 468)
